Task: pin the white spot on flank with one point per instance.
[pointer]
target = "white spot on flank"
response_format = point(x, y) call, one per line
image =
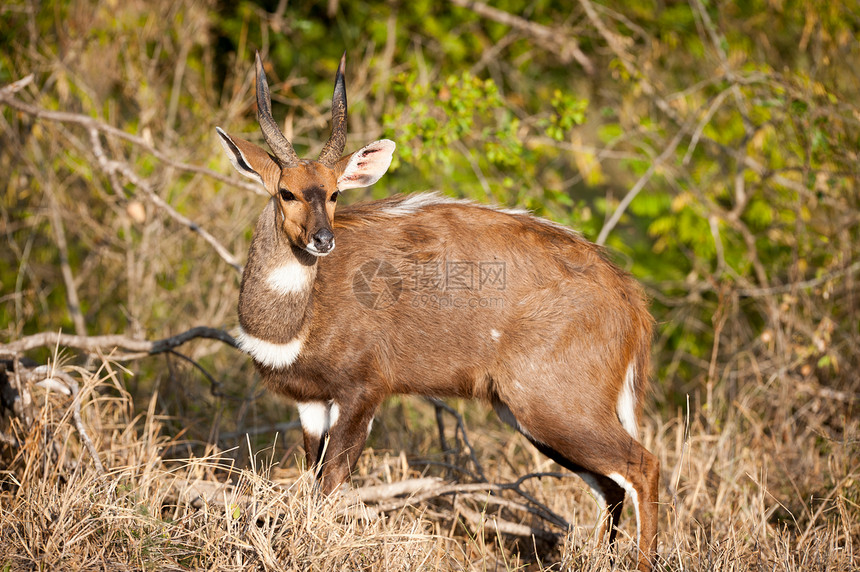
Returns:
point(634, 496)
point(626, 407)
point(496, 335)
point(315, 417)
point(290, 278)
point(276, 356)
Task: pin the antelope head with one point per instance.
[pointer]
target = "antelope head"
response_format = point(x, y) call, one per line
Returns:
point(306, 191)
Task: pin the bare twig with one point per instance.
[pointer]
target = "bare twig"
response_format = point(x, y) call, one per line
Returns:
point(615, 44)
point(18, 393)
point(214, 384)
point(112, 167)
point(198, 493)
point(828, 393)
point(496, 524)
point(16, 86)
point(565, 46)
point(811, 283)
point(100, 343)
point(461, 427)
point(74, 302)
point(91, 123)
point(425, 489)
point(376, 493)
point(640, 184)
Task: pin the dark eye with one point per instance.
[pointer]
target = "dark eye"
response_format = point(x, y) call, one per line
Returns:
point(333, 197)
point(287, 195)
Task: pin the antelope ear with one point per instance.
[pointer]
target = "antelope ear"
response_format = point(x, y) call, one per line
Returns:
point(249, 159)
point(365, 166)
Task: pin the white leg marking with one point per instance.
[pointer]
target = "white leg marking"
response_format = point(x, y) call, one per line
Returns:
point(334, 413)
point(277, 356)
point(596, 490)
point(290, 278)
point(369, 425)
point(626, 407)
point(599, 497)
point(315, 417)
point(634, 496)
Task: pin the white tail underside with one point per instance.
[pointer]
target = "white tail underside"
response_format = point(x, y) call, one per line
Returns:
point(627, 403)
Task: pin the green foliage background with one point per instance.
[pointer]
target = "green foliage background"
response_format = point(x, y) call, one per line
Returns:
point(736, 122)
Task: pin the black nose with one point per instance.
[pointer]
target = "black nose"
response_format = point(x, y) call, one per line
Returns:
point(323, 240)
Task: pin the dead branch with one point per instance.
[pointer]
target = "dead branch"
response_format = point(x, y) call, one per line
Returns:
point(828, 393)
point(791, 286)
point(461, 428)
point(492, 522)
point(555, 41)
point(15, 388)
point(200, 493)
point(94, 344)
point(214, 384)
point(113, 167)
point(14, 392)
point(74, 302)
point(90, 123)
point(16, 86)
point(640, 184)
point(357, 502)
point(376, 493)
point(511, 505)
point(423, 489)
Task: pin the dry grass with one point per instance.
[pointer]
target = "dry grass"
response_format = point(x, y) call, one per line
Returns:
point(767, 482)
point(58, 513)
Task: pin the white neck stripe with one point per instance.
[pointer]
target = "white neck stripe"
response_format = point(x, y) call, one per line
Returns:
point(277, 356)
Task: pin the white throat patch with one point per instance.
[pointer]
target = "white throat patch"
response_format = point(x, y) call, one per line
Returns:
point(290, 278)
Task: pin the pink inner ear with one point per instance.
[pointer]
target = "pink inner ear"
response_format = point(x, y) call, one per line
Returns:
point(359, 178)
point(366, 165)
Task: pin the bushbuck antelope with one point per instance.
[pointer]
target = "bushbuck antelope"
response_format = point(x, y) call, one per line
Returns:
point(424, 294)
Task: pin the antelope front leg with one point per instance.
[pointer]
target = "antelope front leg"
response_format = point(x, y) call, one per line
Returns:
point(316, 418)
point(347, 434)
